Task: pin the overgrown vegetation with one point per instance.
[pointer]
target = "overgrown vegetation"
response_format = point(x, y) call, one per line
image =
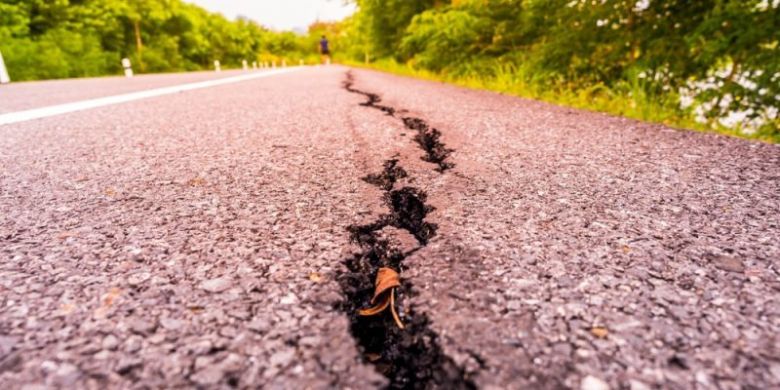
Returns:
point(708, 64)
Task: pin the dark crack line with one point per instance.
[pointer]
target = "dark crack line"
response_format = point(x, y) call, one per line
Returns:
point(429, 140)
point(427, 137)
point(411, 358)
point(388, 177)
point(373, 99)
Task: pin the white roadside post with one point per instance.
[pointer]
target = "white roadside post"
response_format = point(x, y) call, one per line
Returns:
point(216, 66)
point(244, 65)
point(284, 63)
point(4, 79)
point(300, 62)
point(274, 64)
point(254, 64)
point(128, 67)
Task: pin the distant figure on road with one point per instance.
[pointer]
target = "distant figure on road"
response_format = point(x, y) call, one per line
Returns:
point(325, 50)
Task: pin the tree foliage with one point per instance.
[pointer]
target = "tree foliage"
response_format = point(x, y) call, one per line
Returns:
point(43, 39)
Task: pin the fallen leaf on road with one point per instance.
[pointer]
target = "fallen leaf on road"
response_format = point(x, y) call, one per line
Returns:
point(110, 296)
point(387, 280)
point(110, 192)
point(107, 300)
point(599, 332)
point(315, 277)
point(196, 182)
point(196, 309)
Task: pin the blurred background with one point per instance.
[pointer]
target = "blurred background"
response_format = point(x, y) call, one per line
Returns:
point(704, 64)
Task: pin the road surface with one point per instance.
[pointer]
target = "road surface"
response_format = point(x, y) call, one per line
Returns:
point(226, 237)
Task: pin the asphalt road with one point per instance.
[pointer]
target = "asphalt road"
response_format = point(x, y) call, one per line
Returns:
point(226, 236)
point(29, 95)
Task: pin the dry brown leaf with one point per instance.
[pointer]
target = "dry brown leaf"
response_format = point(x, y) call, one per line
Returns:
point(599, 331)
point(110, 192)
point(196, 309)
point(107, 300)
point(315, 277)
point(387, 280)
point(110, 296)
point(196, 182)
point(378, 307)
point(392, 309)
point(372, 357)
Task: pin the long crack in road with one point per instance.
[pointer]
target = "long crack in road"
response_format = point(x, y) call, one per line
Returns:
point(410, 357)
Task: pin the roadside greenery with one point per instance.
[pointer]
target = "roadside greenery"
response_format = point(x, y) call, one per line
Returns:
point(706, 64)
point(43, 39)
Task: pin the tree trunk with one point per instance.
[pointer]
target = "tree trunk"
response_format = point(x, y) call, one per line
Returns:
point(139, 46)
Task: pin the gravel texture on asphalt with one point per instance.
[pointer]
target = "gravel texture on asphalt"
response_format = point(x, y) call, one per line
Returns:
point(196, 240)
point(184, 240)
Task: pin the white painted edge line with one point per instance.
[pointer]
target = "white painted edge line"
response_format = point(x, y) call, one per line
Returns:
point(43, 112)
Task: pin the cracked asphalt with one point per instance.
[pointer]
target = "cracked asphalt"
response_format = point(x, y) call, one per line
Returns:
point(195, 239)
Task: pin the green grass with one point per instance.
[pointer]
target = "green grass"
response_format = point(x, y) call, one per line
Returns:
point(628, 99)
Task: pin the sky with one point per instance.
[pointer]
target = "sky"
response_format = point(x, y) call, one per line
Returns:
point(280, 14)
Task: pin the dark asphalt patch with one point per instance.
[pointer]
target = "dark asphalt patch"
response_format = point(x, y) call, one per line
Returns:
point(410, 358)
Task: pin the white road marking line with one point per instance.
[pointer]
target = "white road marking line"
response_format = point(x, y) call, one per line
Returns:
point(43, 112)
